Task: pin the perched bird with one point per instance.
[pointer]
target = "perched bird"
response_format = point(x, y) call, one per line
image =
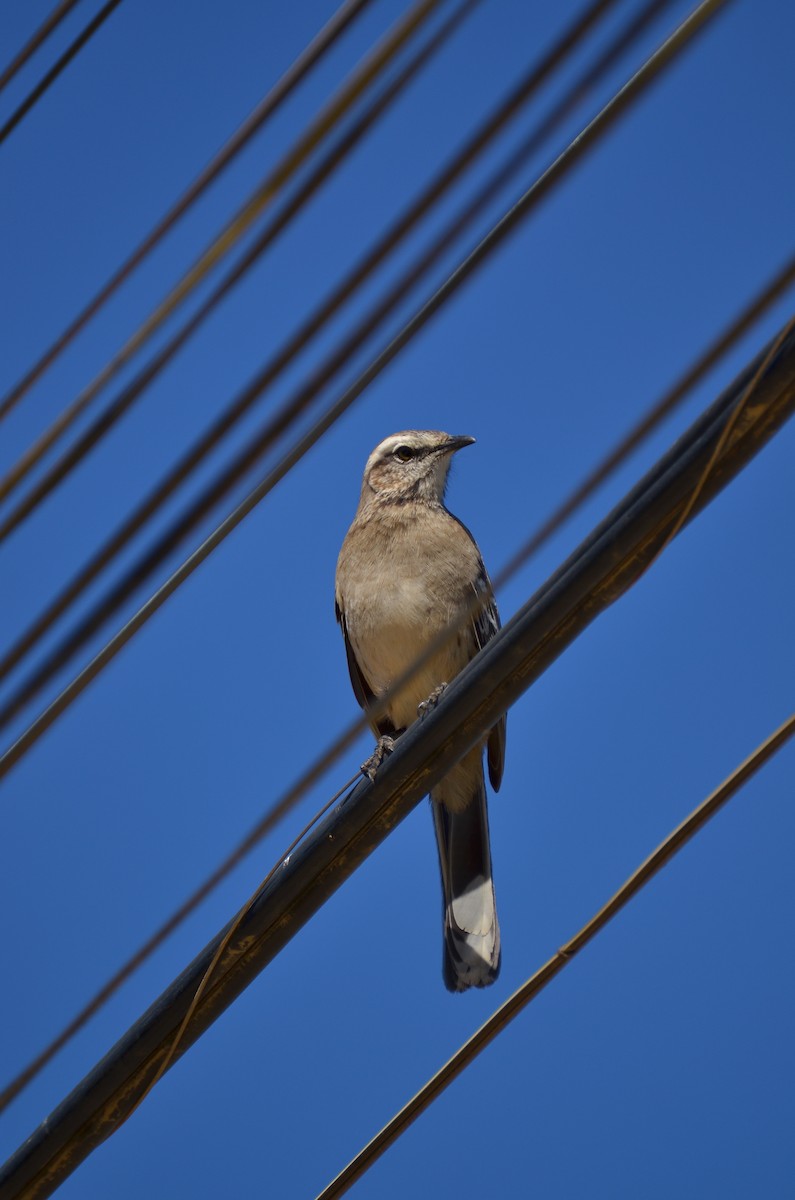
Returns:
point(407, 570)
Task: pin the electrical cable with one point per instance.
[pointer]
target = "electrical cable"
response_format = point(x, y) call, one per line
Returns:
point(132, 392)
point(273, 100)
point(319, 316)
point(453, 630)
point(600, 571)
point(346, 96)
point(58, 14)
point(58, 67)
point(538, 981)
point(276, 427)
point(346, 739)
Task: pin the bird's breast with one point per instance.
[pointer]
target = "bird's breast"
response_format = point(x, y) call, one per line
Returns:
point(392, 617)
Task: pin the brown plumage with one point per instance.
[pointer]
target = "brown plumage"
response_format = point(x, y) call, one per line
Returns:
point(407, 570)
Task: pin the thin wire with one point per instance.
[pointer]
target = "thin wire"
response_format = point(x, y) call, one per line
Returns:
point(269, 434)
point(314, 773)
point(260, 199)
point(133, 391)
point(538, 981)
point(731, 425)
point(47, 26)
point(57, 68)
point(295, 74)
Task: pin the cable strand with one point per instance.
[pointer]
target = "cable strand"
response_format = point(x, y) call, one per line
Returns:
point(57, 69)
point(48, 26)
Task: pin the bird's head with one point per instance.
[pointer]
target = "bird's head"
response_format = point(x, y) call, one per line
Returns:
point(412, 465)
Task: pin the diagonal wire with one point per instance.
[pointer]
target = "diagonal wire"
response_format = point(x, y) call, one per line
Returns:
point(356, 84)
point(268, 435)
point(538, 981)
point(648, 72)
point(132, 392)
point(58, 67)
point(280, 808)
point(361, 271)
point(51, 23)
point(294, 75)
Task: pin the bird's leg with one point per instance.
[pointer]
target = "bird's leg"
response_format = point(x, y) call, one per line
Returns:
point(385, 746)
point(430, 704)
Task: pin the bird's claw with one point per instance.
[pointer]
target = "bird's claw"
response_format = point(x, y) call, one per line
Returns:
point(429, 705)
point(385, 746)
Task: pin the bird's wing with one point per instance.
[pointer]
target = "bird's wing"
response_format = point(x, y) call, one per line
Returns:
point(486, 623)
point(361, 688)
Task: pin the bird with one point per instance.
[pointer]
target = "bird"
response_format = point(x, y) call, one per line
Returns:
point(407, 570)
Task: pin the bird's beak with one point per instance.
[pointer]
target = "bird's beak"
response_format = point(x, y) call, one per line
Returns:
point(456, 443)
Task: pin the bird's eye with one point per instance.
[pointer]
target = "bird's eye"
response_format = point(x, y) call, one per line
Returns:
point(404, 453)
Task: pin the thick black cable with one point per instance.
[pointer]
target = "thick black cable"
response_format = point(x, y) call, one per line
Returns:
point(317, 319)
point(263, 196)
point(57, 69)
point(287, 802)
point(528, 991)
point(269, 434)
point(133, 391)
point(273, 100)
point(48, 26)
point(617, 553)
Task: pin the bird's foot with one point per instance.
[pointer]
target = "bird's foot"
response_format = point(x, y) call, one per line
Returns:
point(385, 746)
point(429, 705)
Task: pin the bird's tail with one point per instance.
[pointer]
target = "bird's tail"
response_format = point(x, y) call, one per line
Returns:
point(471, 932)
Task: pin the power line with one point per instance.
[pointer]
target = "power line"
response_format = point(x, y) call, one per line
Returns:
point(545, 974)
point(297, 404)
point(260, 199)
point(280, 808)
point(295, 74)
point(738, 412)
point(316, 320)
point(51, 23)
point(132, 392)
point(604, 566)
point(57, 68)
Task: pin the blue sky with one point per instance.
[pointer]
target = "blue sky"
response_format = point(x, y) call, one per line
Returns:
point(660, 1062)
